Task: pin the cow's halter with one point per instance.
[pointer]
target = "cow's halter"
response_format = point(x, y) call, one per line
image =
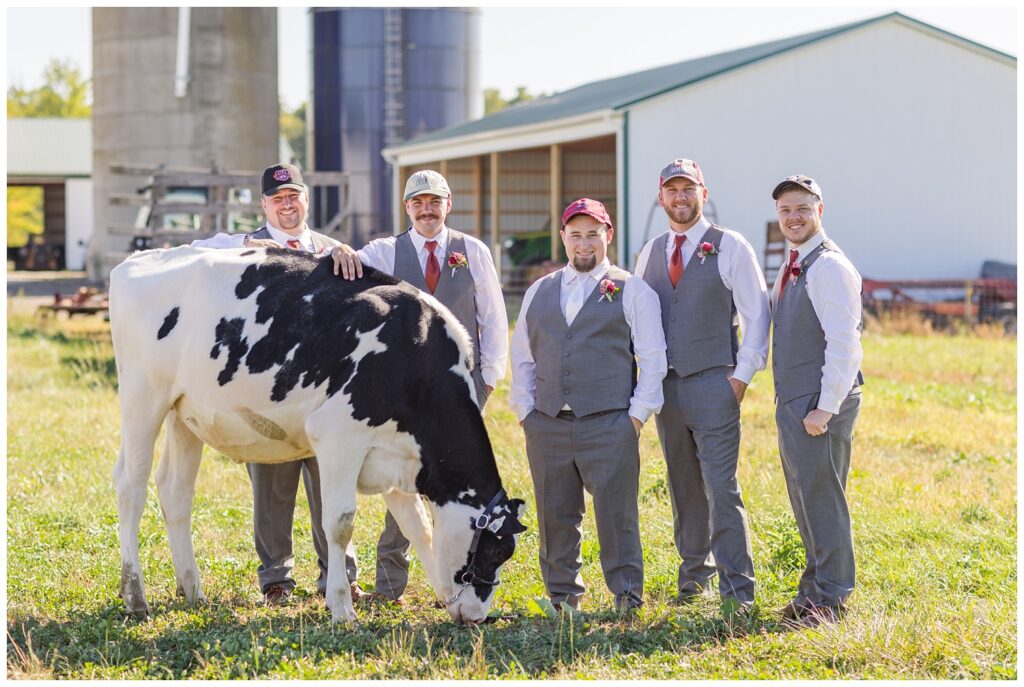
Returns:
point(484, 521)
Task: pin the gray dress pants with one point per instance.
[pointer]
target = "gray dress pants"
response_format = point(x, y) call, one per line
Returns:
point(274, 490)
point(599, 453)
point(816, 469)
point(699, 429)
point(393, 547)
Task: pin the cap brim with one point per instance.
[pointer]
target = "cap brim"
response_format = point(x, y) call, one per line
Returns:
point(431, 191)
point(681, 176)
point(791, 185)
point(297, 187)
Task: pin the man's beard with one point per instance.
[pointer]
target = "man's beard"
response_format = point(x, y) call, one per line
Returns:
point(682, 216)
point(584, 265)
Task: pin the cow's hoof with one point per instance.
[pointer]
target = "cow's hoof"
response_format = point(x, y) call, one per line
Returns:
point(138, 614)
point(346, 617)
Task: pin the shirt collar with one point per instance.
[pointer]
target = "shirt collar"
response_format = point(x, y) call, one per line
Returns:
point(281, 237)
point(810, 244)
point(570, 275)
point(419, 240)
point(694, 233)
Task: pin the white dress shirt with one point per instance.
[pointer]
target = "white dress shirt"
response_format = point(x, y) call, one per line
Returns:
point(490, 305)
point(738, 268)
point(222, 240)
point(834, 285)
point(642, 310)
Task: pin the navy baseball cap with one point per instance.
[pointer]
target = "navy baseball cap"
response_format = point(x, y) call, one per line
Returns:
point(796, 181)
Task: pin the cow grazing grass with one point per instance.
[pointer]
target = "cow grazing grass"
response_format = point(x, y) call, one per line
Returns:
point(932, 491)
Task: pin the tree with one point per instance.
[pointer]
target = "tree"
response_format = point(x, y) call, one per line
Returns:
point(493, 102)
point(65, 93)
point(293, 128)
point(24, 214)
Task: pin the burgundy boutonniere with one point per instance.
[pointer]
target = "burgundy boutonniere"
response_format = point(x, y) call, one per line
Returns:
point(457, 260)
point(705, 249)
point(794, 272)
point(608, 290)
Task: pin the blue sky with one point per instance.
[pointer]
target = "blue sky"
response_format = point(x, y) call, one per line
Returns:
point(545, 49)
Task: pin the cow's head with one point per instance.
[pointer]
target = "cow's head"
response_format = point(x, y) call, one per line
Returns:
point(470, 546)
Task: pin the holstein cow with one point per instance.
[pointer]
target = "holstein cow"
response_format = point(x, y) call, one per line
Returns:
point(266, 356)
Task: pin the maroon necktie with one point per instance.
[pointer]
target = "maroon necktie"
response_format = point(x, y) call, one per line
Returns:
point(294, 244)
point(433, 267)
point(675, 265)
point(789, 271)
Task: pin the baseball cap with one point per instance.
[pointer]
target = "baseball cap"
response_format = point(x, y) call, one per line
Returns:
point(681, 167)
point(282, 175)
point(426, 181)
point(586, 206)
point(799, 180)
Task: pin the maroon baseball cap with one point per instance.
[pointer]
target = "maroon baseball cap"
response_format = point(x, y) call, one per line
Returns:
point(681, 167)
point(586, 206)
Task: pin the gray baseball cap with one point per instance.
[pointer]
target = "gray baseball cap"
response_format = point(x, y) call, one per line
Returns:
point(801, 181)
point(426, 181)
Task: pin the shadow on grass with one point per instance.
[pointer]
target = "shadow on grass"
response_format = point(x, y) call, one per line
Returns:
point(240, 639)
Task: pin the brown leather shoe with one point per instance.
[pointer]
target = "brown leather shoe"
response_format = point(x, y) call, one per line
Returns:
point(358, 595)
point(795, 609)
point(277, 595)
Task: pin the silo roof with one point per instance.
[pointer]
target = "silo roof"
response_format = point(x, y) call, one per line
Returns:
point(51, 147)
point(620, 92)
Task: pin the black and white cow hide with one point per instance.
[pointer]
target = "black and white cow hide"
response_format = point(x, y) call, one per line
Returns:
point(267, 356)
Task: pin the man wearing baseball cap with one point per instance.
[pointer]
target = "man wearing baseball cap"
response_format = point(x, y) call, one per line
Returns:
point(581, 403)
point(816, 357)
point(709, 285)
point(457, 269)
point(285, 202)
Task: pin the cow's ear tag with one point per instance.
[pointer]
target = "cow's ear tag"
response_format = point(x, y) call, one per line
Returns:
point(482, 521)
point(496, 524)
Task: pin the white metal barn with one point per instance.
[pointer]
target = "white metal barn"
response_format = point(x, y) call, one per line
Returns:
point(910, 130)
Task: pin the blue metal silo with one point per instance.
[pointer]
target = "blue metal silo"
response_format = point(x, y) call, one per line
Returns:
point(382, 76)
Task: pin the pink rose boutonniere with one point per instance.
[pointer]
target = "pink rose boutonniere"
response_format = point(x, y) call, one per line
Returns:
point(608, 290)
point(457, 260)
point(705, 249)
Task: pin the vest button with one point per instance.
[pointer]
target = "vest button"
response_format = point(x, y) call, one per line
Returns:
point(565, 374)
point(565, 392)
point(568, 336)
point(674, 299)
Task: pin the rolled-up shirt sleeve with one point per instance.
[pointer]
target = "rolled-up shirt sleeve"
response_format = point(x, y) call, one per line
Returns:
point(491, 318)
point(522, 395)
point(833, 285)
point(642, 310)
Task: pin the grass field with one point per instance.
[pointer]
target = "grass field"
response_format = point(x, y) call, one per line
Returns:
point(932, 491)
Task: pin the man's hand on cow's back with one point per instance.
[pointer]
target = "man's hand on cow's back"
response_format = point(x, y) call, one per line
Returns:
point(346, 262)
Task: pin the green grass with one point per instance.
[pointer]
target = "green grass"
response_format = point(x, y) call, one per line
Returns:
point(932, 490)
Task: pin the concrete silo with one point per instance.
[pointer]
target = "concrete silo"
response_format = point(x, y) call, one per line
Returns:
point(382, 76)
point(177, 86)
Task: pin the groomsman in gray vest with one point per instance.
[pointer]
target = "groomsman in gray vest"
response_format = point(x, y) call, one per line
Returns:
point(709, 285)
point(285, 204)
point(578, 397)
point(458, 270)
point(816, 357)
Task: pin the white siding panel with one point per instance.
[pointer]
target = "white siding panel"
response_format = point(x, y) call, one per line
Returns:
point(912, 138)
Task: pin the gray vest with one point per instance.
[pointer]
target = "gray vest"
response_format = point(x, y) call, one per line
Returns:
point(798, 341)
point(590, 364)
point(320, 241)
point(456, 292)
point(698, 316)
